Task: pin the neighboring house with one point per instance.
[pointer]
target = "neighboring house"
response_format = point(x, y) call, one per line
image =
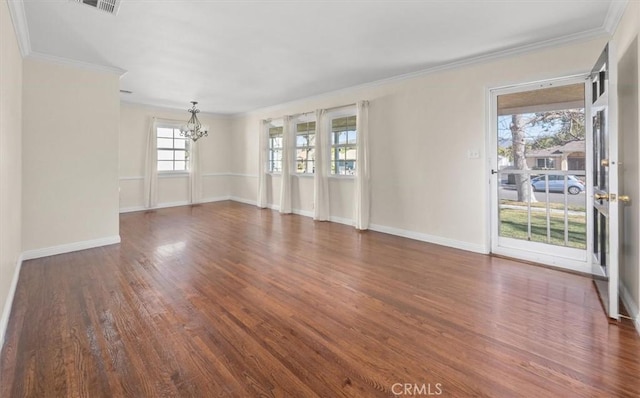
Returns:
point(570, 156)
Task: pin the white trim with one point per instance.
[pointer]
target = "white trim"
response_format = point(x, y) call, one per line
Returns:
point(78, 64)
point(172, 174)
point(346, 177)
point(19, 18)
point(614, 15)
point(132, 209)
point(126, 101)
point(546, 259)
point(172, 204)
point(304, 213)
point(70, 247)
point(6, 311)
point(243, 200)
point(342, 220)
point(490, 56)
point(243, 175)
point(213, 199)
point(631, 306)
point(438, 240)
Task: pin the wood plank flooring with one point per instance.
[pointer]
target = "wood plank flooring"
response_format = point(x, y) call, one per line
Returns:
point(224, 299)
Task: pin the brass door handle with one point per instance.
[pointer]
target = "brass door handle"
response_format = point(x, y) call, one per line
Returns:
point(624, 199)
point(601, 196)
point(604, 162)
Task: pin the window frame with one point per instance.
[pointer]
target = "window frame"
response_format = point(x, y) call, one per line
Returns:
point(547, 161)
point(186, 150)
point(331, 116)
point(274, 124)
point(303, 120)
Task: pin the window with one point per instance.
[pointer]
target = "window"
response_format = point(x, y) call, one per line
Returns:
point(275, 149)
point(305, 147)
point(173, 150)
point(545, 163)
point(343, 146)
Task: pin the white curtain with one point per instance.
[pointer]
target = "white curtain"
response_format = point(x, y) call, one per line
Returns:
point(362, 197)
point(321, 210)
point(151, 168)
point(262, 164)
point(287, 155)
point(195, 180)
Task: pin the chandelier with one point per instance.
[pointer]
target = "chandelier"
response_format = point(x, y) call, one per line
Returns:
point(194, 129)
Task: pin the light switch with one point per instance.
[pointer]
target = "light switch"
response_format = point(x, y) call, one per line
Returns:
point(473, 154)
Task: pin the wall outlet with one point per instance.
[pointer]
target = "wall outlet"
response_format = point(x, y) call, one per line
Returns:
point(473, 154)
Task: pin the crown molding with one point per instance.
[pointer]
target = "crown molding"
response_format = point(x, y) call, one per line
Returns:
point(486, 57)
point(20, 25)
point(19, 19)
point(156, 105)
point(78, 64)
point(614, 15)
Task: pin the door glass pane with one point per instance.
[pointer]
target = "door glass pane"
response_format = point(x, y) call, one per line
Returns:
point(541, 179)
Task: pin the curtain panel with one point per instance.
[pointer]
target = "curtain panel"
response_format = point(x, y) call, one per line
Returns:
point(321, 210)
point(151, 168)
point(362, 195)
point(195, 180)
point(287, 160)
point(262, 164)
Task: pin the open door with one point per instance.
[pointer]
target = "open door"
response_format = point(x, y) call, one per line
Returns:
point(606, 199)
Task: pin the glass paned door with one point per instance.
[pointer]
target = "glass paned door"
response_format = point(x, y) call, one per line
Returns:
point(605, 178)
point(539, 183)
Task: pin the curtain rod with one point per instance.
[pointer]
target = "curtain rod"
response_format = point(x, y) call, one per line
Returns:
point(333, 108)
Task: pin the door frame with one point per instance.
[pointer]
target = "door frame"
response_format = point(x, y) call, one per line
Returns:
point(571, 259)
point(608, 101)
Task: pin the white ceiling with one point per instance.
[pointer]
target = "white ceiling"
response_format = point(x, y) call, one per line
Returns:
point(236, 56)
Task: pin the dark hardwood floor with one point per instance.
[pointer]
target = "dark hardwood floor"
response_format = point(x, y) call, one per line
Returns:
point(224, 299)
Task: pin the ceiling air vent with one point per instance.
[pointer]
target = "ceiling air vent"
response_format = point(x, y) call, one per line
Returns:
point(110, 6)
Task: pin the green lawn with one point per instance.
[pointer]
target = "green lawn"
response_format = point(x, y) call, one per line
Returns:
point(513, 224)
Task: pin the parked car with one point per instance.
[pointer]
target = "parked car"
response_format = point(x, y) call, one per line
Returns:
point(556, 184)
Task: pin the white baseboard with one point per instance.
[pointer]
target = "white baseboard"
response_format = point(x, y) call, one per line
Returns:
point(387, 230)
point(341, 220)
point(70, 247)
point(347, 221)
point(243, 200)
point(215, 199)
point(456, 244)
point(6, 311)
point(132, 209)
point(305, 213)
point(172, 204)
point(631, 306)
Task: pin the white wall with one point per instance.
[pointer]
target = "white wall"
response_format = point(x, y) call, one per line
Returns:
point(10, 164)
point(135, 121)
point(626, 45)
point(423, 184)
point(69, 158)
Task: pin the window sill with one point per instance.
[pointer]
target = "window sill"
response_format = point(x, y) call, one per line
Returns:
point(173, 174)
point(343, 177)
